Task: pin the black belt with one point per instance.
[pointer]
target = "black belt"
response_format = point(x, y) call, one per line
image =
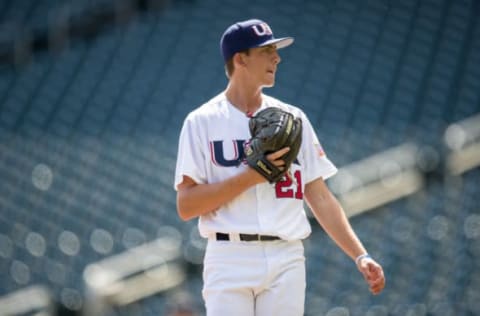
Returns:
point(248, 237)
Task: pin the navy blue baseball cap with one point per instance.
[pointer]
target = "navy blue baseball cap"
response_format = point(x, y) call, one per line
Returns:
point(249, 34)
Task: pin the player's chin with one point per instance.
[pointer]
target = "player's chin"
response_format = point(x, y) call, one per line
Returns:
point(269, 80)
point(269, 83)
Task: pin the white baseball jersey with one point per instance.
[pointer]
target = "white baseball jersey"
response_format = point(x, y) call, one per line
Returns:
point(211, 150)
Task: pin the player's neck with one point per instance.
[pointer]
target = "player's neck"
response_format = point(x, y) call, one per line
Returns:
point(246, 99)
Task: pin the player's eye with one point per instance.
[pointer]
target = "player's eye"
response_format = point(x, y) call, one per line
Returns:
point(270, 48)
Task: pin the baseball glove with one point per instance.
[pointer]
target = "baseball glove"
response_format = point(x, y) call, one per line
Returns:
point(273, 129)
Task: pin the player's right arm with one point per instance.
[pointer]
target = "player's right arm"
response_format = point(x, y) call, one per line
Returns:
point(195, 199)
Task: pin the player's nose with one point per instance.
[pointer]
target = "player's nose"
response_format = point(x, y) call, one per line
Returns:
point(276, 58)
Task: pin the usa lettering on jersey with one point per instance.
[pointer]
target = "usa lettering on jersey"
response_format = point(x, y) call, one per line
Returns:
point(217, 153)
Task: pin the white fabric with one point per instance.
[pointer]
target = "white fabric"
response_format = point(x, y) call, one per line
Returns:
point(266, 209)
point(254, 278)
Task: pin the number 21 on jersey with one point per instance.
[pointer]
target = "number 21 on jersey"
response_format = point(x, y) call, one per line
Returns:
point(290, 188)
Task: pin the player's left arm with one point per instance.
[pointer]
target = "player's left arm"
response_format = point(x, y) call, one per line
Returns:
point(330, 215)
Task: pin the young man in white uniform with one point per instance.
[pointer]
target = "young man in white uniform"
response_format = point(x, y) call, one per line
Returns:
point(254, 262)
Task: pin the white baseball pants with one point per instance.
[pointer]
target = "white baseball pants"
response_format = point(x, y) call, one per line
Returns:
point(254, 278)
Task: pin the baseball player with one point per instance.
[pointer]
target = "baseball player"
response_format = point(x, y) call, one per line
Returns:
point(254, 261)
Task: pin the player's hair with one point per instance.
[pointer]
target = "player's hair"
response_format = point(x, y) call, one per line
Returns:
point(230, 67)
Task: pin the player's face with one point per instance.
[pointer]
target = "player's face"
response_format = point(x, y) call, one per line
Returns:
point(262, 64)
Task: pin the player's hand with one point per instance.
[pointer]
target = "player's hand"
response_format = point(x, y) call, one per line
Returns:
point(274, 158)
point(373, 274)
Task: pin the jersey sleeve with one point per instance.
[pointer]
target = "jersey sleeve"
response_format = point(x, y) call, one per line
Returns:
point(315, 159)
point(190, 158)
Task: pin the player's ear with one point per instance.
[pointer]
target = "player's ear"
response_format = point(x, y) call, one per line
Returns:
point(239, 59)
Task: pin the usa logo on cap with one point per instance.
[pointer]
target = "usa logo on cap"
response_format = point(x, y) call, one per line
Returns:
point(262, 29)
point(247, 34)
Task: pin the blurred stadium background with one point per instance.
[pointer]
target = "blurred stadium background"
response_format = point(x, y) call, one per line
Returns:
point(92, 98)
